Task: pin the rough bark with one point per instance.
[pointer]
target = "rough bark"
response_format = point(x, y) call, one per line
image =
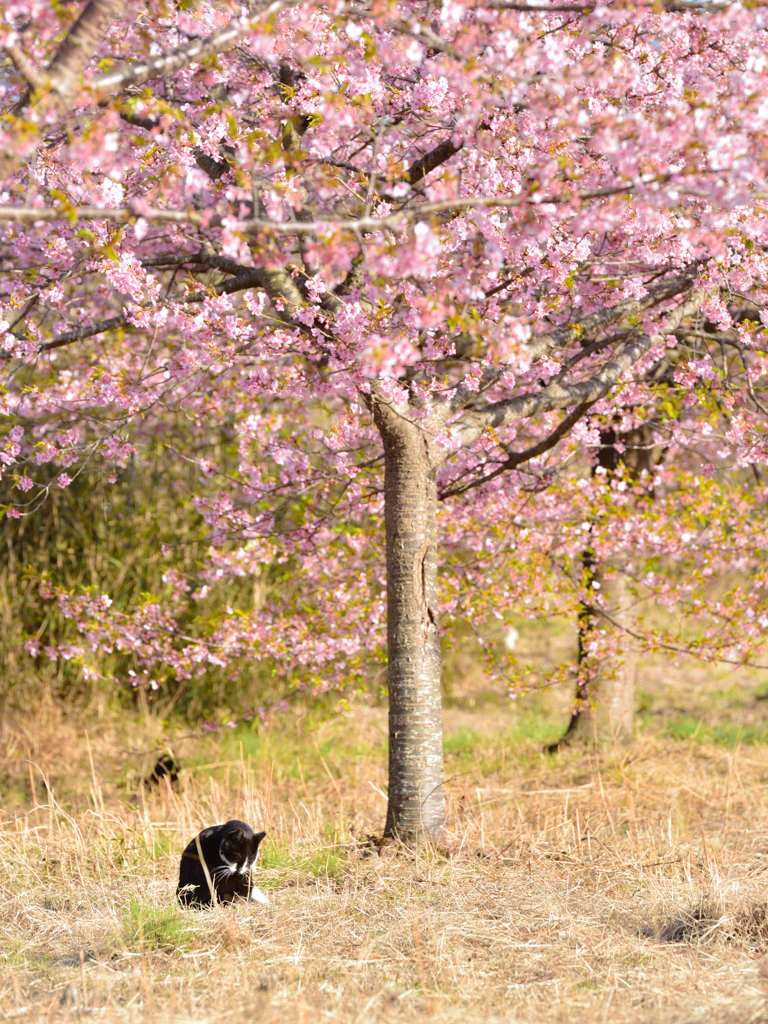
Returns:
point(416, 807)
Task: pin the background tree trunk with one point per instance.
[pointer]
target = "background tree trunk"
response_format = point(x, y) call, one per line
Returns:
point(604, 711)
point(606, 702)
point(416, 808)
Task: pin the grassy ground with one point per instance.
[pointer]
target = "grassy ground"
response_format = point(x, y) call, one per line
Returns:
point(626, 888)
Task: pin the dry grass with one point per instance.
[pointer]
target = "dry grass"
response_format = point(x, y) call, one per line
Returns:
point(630, 888)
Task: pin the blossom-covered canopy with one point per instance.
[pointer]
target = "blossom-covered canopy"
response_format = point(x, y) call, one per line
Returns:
point(515, 225)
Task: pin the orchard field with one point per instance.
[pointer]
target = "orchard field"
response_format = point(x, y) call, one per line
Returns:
point(625, 887)
point(381, 382)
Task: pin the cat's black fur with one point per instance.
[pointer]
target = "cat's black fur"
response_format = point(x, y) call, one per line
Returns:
point(165, 768)
point(229, 852)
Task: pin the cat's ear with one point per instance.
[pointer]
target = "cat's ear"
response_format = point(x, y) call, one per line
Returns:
point(258, 836)
point(233, 842)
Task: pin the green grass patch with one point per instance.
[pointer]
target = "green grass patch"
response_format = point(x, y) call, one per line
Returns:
point(462, 742)
point(486, 753)
point(322, 862)
point(724, 734)
point(158, 927)
point(297, 749)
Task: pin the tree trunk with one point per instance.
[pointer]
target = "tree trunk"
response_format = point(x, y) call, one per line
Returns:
point(606, 695)
point(416, 807)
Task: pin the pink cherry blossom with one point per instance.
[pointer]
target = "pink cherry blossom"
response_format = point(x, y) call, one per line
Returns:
point(519, 232)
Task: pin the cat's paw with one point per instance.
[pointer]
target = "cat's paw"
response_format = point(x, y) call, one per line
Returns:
point(257, 896)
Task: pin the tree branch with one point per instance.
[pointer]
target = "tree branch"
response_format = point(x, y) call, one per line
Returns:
point(515, 459)
point(86, 331)
point(462, 395)
point(671, 6)
point(502, 5)
point(563, 336)
point(195, 51)
point(255, 225)
point(64, 77)
point(212, 167)
point(593, 323)
point(121, 215)
point(60, 83)
point(278, 284)
point(250, 277)
point(426, 164)
point(693, 6)
point(34, 78)
point(74, 54)
point(206, 257)
point(560, 396)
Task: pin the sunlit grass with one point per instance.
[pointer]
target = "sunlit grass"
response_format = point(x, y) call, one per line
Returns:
point(546, 902)
point(723, 734)
point(316, 861)
point(149, 927)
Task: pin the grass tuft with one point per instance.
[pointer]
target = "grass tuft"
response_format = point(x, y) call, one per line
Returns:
point(149, 927)
point(722, 734)
point(319, 862)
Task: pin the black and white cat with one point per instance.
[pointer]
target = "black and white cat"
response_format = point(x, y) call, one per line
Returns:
point(229, 852)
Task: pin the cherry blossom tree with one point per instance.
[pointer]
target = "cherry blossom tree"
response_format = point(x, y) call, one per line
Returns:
point(403, 261)
point(628, 457)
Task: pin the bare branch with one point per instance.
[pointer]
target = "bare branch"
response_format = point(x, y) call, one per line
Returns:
point(74, 54)
point(86, 331)
point(253, 277)
point(502, 5)
point(147, 123)
point(215, 169)
point(426, 164)
point(693, 6)
point(46, 214)
point(206, 257)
